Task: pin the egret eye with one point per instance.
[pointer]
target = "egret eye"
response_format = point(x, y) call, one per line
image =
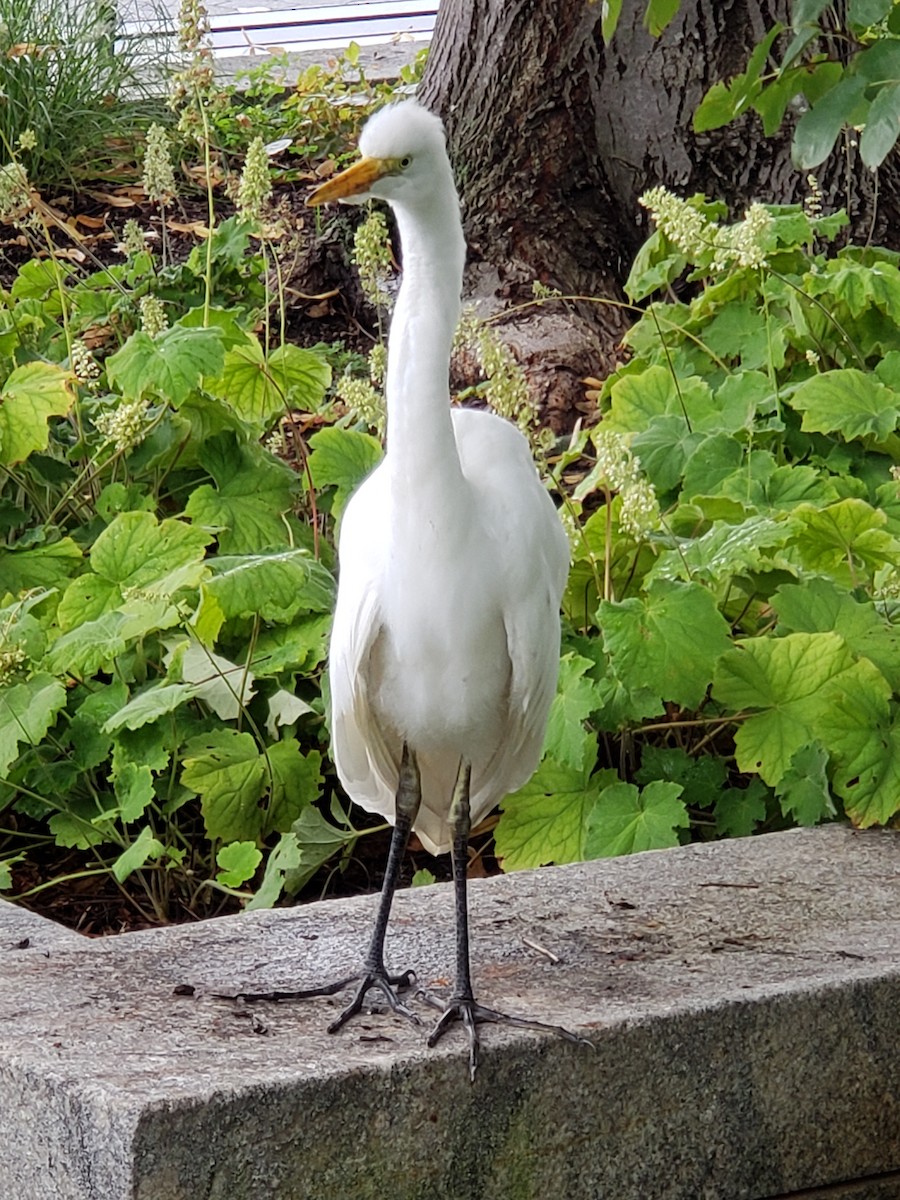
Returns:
point(405, 161)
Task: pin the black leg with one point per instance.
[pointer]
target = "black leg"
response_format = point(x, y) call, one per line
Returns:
point(462, 1005)
point(374, 974)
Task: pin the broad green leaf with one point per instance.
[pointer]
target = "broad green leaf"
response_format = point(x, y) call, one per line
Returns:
point(715, 459)
point(421, 878)
point(667, 641)
point(716, 109)
point(249, 385)
point(818, 605)
point(665, 447)
point(31, 395)
point(248, 505)
point(625, 820)
point(788, 685)
point(276, 586)
point(284, 858)
point(882, 126)
point(300, 646)
point(317, 841)
point(296, 782)
point(847, 401)
point(637, 399)
point(134, 789)
point(818, 128)
point(170, 365)
point(284, 709)
point(574, 701)
point(27, 711)
point(656, 264)
point(88, 648)
point(237, 862)
point(136, 550)
point(86, 599)
point(846, 540)
point(227, 687)
point(227, 771)
point(545, 821)
point(41, 567)
point(155, 701)
point(739, 810)
point(866, 747)
point(342, 458)
point(701, 779)
point(145, 848)
point(868, 12)
point(89, 744)
point(803, 790)
point(302, 375)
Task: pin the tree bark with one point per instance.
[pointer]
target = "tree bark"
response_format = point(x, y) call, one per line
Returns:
point(555, 135)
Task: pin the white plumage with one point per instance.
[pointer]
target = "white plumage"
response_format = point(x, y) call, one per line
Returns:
point(452, 562)
point(452, 557)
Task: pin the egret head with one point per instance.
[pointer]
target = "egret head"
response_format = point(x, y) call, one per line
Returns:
point(404, 159)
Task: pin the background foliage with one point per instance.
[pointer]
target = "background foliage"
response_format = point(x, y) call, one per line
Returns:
point(730, 660)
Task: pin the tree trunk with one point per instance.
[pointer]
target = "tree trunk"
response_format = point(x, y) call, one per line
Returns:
point(555, 135)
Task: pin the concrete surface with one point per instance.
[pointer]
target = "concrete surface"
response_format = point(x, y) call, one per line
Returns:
point(743, 1000)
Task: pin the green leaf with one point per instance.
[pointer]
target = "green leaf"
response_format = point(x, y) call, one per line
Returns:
point(283, 859)
point(88, 648)
point(818, 128)
point(237, 863)
point(847, 401)
point(818, 605)
point(296, 782)
point(626, 820)
point(42, 567)
point(717, 108)
point(300, 646)
point(667, 641)
point(31, 395)
point(136, 550)
point(739, 810)
point(700, 778)
point(845, 540)
point(789, 685)
point(276, 586)
point(27, 710)
point(544, 822)
point(882, 126)
point(342, 458)
point(717, 457)
point(317, 841)
point(609, 19)
point(865, 743)
point(147, 706)
point(134, 789)
point(574, 701)
point(803, 790)
point(253, 494)
point(227, 771)
point(658, 15)
point(143, 849)
point(665, 447)
point(302, 375)
point(170, 365)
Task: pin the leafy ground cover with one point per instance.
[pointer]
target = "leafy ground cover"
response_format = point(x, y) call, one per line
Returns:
point(175, 451)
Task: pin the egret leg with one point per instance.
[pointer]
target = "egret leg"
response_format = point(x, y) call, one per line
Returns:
point(374, 974)
point(462, 1005)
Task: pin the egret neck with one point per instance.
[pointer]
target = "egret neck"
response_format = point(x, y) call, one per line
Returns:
point(422, 457)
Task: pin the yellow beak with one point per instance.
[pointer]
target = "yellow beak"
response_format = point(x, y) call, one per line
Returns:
point(352, 182)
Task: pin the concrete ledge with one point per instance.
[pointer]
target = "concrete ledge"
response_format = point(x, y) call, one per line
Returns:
point(743, 1000)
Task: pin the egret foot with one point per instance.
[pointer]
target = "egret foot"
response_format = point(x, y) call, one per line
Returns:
point(388, 985)
point(468, 1011)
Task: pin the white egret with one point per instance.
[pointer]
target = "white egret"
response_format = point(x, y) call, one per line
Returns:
point(452, 562)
